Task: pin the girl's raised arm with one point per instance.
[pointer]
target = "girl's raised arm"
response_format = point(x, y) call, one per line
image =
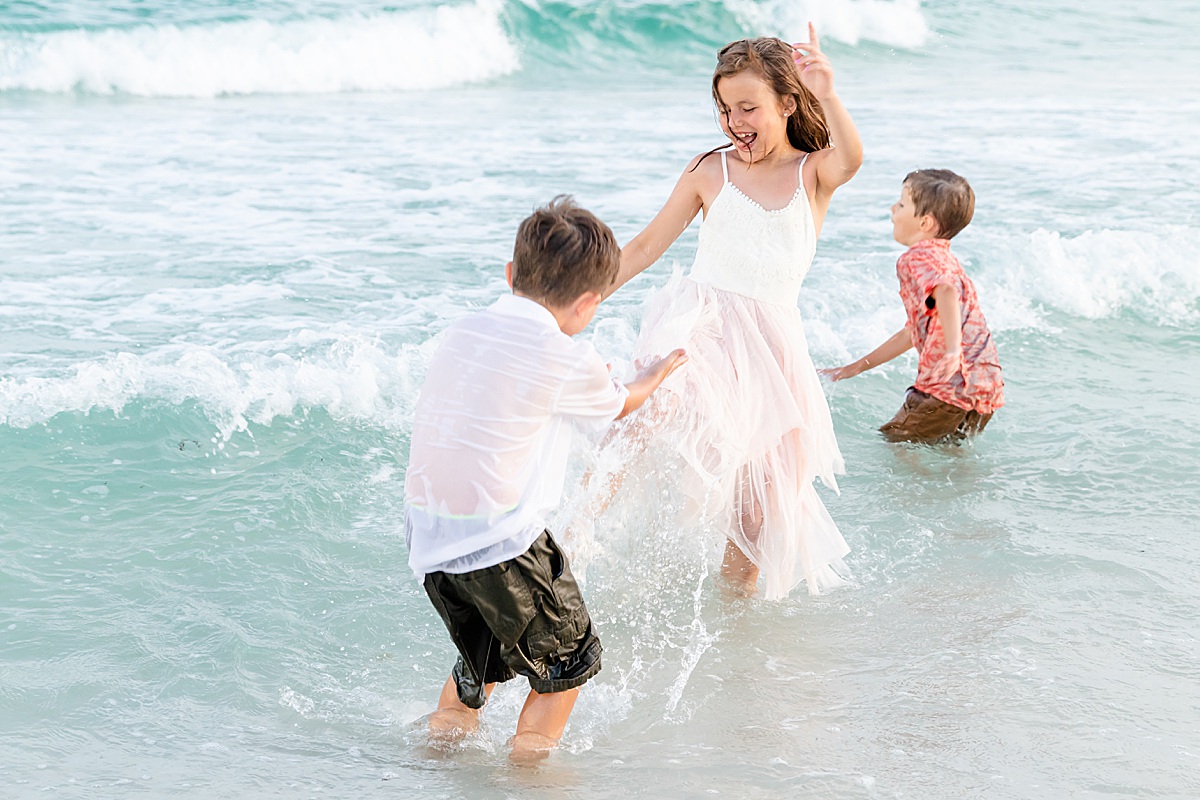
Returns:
point(676, 214)
point(838, 164)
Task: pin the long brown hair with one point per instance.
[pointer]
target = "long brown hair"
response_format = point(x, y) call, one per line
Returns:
point(771, 59)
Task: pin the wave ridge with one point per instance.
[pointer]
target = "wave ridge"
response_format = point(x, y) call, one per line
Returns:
point(1100, 273)
point(353, 379)
point(420, 49)
point(898, 23)
point(432, 47)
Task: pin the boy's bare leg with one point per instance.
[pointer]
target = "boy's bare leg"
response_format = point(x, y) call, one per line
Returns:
point(453, 719)
point(739, 572)
point(541, 725)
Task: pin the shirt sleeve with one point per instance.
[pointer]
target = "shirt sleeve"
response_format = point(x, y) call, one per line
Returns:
point(929, 270)
point(590, 397)
point(924, 271)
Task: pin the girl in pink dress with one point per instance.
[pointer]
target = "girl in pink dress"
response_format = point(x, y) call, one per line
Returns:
point(748, 415)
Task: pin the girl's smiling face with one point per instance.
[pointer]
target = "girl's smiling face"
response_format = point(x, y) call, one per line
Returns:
point(753, 117)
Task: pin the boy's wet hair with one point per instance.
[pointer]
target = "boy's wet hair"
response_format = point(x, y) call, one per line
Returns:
point(945, 196)
point(563, 251)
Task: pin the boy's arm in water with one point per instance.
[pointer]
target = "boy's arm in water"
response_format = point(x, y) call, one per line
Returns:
point(677, 213)
point(945, 299)
point(837, 164)
point(900, 342)
point(649, 379)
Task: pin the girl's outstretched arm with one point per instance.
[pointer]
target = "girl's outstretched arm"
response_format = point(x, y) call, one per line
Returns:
point(676, 214)
point(838, 164)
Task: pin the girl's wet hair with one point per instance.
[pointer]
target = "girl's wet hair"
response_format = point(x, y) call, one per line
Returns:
point(771, 59)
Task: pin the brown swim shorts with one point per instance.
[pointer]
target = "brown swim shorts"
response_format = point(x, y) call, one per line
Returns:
point(524, 616)
point(924, 418)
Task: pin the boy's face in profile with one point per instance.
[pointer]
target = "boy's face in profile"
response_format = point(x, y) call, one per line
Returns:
point(907, 227)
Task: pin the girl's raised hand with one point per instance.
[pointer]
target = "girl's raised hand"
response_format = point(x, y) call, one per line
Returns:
point(813, 67)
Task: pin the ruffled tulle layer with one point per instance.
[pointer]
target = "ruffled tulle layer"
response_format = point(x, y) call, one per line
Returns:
point(748, 418)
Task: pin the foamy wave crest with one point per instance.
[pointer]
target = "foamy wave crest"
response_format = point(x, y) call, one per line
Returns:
point(353, 379)
point(1100, 273)
point(426, 49)
point(898, 23)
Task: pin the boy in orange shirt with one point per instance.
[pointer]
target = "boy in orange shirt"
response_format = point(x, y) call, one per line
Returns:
point(958, 385)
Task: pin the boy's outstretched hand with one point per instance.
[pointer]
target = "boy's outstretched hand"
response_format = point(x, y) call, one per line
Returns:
point(838, 373)
point(649, 378)
point(897, 343)
point(659, 370)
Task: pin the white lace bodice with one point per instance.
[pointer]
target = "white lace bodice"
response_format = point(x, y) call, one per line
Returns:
point(753, 251)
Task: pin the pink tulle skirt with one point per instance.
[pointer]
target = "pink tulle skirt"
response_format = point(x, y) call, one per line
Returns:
point(748, 419)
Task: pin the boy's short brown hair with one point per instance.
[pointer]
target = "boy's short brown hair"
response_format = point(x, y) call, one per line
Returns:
point(563, 251)
point(945, 196)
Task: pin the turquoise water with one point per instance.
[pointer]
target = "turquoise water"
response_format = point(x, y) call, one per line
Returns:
point(230, 234)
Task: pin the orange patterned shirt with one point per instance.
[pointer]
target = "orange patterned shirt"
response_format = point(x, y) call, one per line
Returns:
point(977, 385)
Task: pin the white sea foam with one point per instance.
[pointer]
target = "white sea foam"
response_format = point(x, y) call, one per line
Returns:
point(352, 379)
point(419, 49)
point(1023, 282)
point(898, 23)
point(360, 376)
point(1099, 273)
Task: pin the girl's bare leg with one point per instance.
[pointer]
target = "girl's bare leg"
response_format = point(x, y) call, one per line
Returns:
point(541, 725)
point(453, 719)
point(739, 572)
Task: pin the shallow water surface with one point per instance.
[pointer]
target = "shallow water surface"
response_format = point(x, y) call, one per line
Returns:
point(232, 233)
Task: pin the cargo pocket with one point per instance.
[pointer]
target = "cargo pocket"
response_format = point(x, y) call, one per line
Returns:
point(503, 599)
point(544, 642)
point(562, 616)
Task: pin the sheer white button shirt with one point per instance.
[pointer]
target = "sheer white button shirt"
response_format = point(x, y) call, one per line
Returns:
point(492, 434)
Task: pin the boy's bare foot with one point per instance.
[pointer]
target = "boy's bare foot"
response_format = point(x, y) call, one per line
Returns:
point(540, 726)
point(452, 724)
point(529, 748)
point(453, 720)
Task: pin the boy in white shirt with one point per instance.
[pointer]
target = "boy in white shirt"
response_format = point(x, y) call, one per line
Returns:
point(486, 468)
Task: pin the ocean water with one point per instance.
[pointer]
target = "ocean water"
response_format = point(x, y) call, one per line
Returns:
point(232, 232)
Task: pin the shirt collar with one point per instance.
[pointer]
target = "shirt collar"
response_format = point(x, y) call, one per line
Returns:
point(942, 244)
point(514, 305)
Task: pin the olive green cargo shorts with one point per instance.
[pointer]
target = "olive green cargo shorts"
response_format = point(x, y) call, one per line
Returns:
point(524, 616)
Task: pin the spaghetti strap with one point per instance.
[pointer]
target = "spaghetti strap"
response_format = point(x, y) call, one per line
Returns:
point(725, 166)
point(802, 186)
